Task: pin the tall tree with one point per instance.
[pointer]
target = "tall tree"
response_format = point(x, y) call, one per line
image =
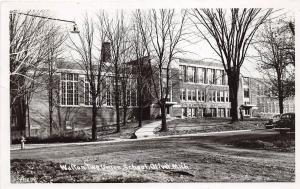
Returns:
point(229, 34)
point(54, 44)
point(141, 56)
point(28, 53)
point(116, 34)
point(166, 30)
point(91, 59)
point(274, 49)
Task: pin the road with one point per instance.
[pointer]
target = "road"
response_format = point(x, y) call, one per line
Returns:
point(209, 158)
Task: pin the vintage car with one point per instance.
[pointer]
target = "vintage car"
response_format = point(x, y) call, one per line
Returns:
point(286, 123)
point(272, 122)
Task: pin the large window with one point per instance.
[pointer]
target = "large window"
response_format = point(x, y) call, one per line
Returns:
point(182, 73)
point(183, 94)
point(193, 95)
point(191, 74)
point(218, 96)
point(189, 93)
point(69, 89)
point(246, 93)
point(219, 77)
point(226, 94)
point(88, 95)
point(211, 76)
point(201, 75)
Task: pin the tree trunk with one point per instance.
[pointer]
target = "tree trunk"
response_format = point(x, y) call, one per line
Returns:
point(21, 115)
point(140, 116)
point(233, 94)
point(124, 114)
point(28, 116)
point(163, 117)
point(50, 101)
point(117, 103)
point(94, 121)
point(280, 94)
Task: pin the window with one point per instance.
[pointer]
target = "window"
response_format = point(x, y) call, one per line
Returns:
point(183, 94)
point(184, 112)
point(225, 78)
point(228, 112)
point(191, 74)
point(213, 112)
point(211, 76)
point(218, 96)
point(226, 94)
point(221, 112)
point(214, 96)
point(189, 93)
point(222, 96)
point(199, 95)
point(87, 92)
point(193, 95)
point(182, 76)
point(211, 94)
point(246, 93)
point(69, 89)
point(219, 77)
point(192, 112)
point(201, 75)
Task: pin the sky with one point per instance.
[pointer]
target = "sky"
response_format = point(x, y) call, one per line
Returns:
point(198, 49)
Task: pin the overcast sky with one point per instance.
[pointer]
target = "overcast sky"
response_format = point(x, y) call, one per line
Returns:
point(199, 49)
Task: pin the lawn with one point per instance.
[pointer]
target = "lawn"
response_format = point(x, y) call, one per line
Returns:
point(194, 125)
point(208, 159)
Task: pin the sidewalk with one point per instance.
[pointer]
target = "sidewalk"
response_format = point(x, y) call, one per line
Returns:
point(148, 129)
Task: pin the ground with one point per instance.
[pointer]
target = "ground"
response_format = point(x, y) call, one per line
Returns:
point(207, 158)
point(187, 126)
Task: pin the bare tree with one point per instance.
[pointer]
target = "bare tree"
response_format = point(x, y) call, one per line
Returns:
point(165, 29)
point(94, 65)
point(28, 53)
point(141, 56)
point(229, 34)
point(275, 62)
point(116, 34)
point(54, 40)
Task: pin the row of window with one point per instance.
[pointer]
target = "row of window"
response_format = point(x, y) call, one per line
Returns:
point(202, 96)
point(202, 75)
point(70, 96)
point(205, 112)
point(265, 106)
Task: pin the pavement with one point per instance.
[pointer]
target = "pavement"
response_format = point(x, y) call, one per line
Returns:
point(148, 130)
point(150, 137)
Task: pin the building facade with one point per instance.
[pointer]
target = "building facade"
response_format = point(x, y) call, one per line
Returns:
point(199, 89)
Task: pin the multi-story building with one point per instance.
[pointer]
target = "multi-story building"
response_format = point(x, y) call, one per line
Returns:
point(204, 89)
point(199, 89)
point(257, 101)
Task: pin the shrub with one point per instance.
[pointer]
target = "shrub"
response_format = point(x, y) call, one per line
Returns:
point(79, 136)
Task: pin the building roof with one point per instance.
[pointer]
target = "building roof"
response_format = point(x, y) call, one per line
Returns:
point(200, 62)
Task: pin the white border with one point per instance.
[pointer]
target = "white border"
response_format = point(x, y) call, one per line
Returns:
point(129, 4)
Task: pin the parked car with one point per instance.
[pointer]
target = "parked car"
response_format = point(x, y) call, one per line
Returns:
point(286, 123)
point(272, 122)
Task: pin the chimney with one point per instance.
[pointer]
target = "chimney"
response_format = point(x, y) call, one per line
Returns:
point(105, 52)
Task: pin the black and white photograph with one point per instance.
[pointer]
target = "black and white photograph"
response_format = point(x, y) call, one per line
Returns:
point(148, 94)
